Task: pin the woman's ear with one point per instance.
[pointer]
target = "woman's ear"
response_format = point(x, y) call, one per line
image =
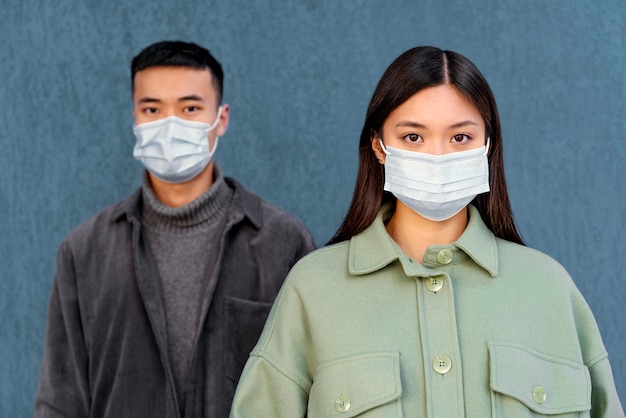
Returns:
point(378, 149)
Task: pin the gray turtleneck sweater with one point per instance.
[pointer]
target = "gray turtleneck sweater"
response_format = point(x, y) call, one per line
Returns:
point(185, 244)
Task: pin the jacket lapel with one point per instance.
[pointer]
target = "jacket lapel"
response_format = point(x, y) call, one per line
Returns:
point(149, 285)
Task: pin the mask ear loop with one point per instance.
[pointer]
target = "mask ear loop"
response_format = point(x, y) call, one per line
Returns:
point(212, 152)
point(217, 138)
point(487, 145)
point(382, 146)
point(217, 119)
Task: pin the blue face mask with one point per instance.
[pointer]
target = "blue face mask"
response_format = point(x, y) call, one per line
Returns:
point(175, 150)
point(436, 186)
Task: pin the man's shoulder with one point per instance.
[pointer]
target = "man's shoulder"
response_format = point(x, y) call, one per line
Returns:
point(263, 211)
point(267, 216)
point(102, 222)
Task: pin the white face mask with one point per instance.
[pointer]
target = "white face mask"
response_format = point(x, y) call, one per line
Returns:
point(436, 186)
point(175, 150)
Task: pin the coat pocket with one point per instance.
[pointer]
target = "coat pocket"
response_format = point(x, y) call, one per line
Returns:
point(367, 385)
point(244, 322)
point(526, 383)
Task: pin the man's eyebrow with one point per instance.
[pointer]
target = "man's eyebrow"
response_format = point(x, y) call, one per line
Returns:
point(149, 100)
point(193, 97)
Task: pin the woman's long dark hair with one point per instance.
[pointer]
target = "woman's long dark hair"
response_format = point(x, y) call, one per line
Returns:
point(415, 70)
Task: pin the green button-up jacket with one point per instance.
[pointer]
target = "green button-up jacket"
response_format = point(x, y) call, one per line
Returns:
point(483, 328)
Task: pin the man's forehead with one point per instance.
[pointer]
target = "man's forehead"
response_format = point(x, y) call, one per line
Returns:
point(182, 82)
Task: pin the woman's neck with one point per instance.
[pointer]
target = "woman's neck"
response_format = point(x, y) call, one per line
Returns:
point(414, 233)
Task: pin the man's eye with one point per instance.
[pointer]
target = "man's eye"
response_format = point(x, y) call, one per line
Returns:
point(150, 110)
point(412, 138)
point(460, 138)
point(191, 109)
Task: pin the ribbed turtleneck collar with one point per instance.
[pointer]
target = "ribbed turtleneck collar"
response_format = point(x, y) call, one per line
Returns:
point(203, 212)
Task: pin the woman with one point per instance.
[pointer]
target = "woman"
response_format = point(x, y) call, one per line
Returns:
point(427, 304)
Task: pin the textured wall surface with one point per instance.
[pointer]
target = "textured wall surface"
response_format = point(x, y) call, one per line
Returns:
point(299, 75)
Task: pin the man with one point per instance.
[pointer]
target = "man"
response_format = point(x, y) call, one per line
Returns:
point(158, 299)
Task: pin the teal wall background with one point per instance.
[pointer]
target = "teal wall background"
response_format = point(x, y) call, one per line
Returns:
point(299, 75)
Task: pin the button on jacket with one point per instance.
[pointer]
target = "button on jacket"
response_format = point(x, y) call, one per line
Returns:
point(483, 328)
point(106, 351)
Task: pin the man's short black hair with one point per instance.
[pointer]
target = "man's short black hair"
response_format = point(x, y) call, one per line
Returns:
point(181, 54)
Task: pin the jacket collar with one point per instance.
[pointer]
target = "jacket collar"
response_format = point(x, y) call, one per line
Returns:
point(244, 205)
point(373, 249)
point(479, 243)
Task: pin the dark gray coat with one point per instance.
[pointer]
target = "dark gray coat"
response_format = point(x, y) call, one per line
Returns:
point(105, 352)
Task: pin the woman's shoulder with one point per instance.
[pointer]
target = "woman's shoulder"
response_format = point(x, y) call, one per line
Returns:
point(323, 268)
point(329, 258)
point(512, 249)
point(518, 260)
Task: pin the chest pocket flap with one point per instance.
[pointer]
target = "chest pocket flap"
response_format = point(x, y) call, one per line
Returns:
point(544, 384)
point(351, 386)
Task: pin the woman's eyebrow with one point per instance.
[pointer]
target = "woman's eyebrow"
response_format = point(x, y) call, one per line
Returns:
point(463, 124)
point(410, 124)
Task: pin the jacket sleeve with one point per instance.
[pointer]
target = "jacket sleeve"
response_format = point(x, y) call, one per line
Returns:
point(266, 391)
point(605, 402)
point(63, 389)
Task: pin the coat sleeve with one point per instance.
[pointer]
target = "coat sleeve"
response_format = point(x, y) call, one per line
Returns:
point(605, 402)
point(63, 389)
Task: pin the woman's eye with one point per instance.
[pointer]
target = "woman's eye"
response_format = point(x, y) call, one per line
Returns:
point(413, 138)
point(460, 139)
